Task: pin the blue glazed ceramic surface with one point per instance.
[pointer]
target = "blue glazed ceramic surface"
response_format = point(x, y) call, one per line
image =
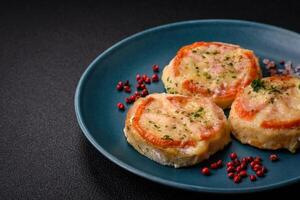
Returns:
point(102, 123)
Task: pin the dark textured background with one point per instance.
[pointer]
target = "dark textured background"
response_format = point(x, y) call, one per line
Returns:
point(44, 49)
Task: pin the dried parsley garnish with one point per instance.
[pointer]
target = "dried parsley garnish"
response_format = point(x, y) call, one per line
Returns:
point(257, 85)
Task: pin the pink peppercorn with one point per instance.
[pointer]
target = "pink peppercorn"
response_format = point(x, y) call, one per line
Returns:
point(138, 77)
point(243, 173)
point(253, 163)
point(257, 167)
point(236, 162)
point(233, 155)
point(121, 106)
point(266, 61)
point(144, 92)
point(132, 98)
point(119, 87)
point(144, 76)
point(147, 80)
point(155, 78)
point(244, 165)
point(127, 89)
point(140, 81)
point(141, 86)
point(238, 169)
point(136, 93)
point(244, 160)
point(230, 175)
point(155, 68)
point(120, 83)
point(219, 163)
point(128, 100)
point(214, 166)
point(230, 164)
point(260, 173)
point(257, 159)
point(230, 169)
point(237, 179)
point(252, 178)
point(205, 171)
point(250, 159)
point(273, 157)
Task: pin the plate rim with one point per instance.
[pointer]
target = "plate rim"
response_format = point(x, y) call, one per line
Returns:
point(88, 135)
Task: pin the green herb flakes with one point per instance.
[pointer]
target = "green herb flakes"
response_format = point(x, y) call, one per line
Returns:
point(166, 137)
point(257, 85)
point(207, 75)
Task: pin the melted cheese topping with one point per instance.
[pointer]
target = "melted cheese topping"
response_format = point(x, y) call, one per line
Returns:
point(214, 68)
point(194, 119)
point(275, 99)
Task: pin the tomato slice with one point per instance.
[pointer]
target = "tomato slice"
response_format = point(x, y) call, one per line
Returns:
point(254, 69)
point(246, 113)
point(152, 138)
point(204, 131)
point(181, 100)
point(208, 132)
point(194, 88)
point(280, 78)
point(183, 52)
point(228, 93)
point(276, 124)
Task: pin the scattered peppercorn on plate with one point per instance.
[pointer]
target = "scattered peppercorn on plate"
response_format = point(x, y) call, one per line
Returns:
point(167, 86)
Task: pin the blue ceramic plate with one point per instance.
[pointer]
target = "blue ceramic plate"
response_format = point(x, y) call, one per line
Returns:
point(102, 123)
